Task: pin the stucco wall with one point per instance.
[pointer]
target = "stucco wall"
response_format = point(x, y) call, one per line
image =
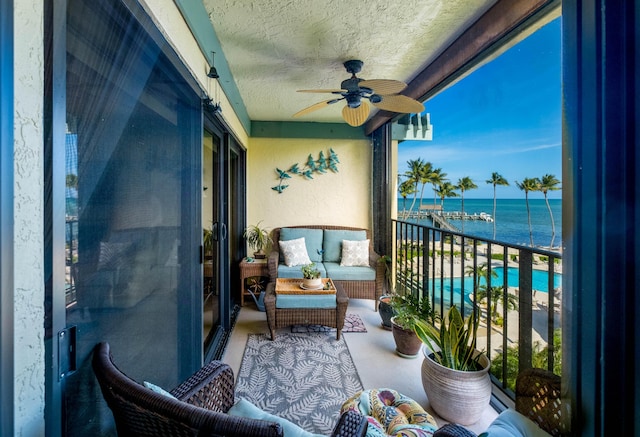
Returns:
point(28, 213)
point(342, 198)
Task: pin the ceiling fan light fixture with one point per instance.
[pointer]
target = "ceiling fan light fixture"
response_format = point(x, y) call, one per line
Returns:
point(382, 93)
point(353, 100)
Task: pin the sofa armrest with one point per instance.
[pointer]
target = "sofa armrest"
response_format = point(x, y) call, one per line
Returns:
point(272, 263)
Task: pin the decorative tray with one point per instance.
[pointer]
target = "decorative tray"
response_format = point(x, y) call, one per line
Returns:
point(294, 286)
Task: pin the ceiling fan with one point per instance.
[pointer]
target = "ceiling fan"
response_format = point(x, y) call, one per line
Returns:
point(382, 93)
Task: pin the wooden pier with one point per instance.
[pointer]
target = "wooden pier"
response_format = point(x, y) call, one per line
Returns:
point(441, 219)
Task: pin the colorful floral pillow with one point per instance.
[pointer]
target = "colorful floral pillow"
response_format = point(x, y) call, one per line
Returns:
point(355, 253)
point(295, 252)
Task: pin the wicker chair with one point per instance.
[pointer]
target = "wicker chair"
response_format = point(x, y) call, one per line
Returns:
point(199, 410)
point(538, 397)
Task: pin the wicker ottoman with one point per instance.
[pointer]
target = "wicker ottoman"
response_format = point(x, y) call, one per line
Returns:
point(283, 317)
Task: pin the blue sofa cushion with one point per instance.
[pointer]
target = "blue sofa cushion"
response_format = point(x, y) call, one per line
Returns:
point(510, 423)
point(306, 301)
point(333, 242)
point(312, 238)
point(285, 271)
point(337, 272)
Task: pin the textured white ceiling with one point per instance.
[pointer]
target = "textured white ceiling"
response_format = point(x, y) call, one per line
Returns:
point(275, 47)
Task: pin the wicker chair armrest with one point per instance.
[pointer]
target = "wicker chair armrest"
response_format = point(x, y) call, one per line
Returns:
point(212, 387)
point(272, 264)
point(453, 430)
point(538, 397)
point(350, 424)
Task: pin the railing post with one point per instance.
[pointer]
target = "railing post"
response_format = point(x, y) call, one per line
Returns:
point(525, 319)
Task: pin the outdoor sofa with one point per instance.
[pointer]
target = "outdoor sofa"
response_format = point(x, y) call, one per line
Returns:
point(324, 245)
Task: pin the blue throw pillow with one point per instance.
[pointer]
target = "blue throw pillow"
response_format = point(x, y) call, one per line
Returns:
point(244, 408)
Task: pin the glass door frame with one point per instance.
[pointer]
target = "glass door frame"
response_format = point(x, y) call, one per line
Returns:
point(219, 192)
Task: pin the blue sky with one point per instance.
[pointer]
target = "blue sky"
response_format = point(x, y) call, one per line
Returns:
point(504, 117)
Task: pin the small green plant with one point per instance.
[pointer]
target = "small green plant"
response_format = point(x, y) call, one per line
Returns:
point(258, 238)
point(455, 340)
point(207, 242)
point(388, 274)
point(310, 271)
point(409, 308)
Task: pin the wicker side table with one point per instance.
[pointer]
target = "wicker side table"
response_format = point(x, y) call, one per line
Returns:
point(258, 267)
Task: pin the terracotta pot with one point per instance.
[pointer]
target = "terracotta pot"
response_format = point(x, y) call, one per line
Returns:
point(456, 396)
point(386, 311)
point(407, 342)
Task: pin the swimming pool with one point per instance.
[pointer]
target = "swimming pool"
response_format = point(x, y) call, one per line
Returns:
point(539, 282)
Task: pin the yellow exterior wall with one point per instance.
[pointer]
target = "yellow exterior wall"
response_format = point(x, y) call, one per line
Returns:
point(342, 198)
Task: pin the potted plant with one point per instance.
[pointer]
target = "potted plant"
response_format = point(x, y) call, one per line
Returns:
point(207, 243)
point(384, 307)
point(258, 239)
point(409, 309)
point(311, 275)
point(455, 375)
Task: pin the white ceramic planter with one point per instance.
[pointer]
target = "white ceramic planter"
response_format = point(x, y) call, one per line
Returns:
point(312, 284)
point(457, 396)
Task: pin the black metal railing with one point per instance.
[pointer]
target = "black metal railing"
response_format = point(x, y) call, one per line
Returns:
point(513, 291)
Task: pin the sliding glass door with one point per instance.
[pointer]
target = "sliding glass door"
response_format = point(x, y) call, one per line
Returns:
point(214, 237)
point(222, 176)
point(131, 237)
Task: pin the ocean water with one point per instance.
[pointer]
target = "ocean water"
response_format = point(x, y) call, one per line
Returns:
point(510, 218)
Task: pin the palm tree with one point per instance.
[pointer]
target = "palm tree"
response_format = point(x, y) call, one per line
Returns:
point(426, 173)
point(496, 179)
point(446, 189)
point(437, 178)
point(496, 293)
point(413, 175)
point(480, 272)
point(465, 183)
point(406, 188)
point(527, 185)
point(549, 183)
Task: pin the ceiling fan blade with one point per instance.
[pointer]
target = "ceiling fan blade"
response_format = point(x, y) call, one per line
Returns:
point(384, 86)
point(356, 116)
point(400, 103)
point(316, 106)
point(323, 91)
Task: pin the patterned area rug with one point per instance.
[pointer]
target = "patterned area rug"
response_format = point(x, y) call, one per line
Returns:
point(304, 378)
point(352, 323)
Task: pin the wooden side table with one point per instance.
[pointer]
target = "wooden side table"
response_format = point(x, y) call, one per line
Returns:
point(257, 267)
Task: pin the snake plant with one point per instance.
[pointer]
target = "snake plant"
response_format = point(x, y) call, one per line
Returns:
point(453, 342)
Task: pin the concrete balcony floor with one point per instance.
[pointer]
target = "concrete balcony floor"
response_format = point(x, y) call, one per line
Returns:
point(373, 353)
